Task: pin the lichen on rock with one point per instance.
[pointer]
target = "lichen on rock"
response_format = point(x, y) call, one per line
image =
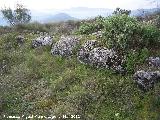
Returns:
point(42, 41)
point(146, 80)
point(65, 46)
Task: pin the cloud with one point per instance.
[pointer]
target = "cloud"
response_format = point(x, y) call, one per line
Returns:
point(63, 4)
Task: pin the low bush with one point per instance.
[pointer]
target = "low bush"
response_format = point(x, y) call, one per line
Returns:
point(123, 33)
point(150, 35)
point(89, 27)
point(35, 26)
point(8, 41)
point(134, 58)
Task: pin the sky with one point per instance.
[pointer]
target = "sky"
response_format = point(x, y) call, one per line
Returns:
point(66, 4)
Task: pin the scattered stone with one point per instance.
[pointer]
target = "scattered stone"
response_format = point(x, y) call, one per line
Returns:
point(154, 61)
point(42, 41)
point(146, 80)
point(20, 39)
point(65, 46)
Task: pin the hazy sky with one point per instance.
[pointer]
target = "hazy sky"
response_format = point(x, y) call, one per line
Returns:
point(63, 4)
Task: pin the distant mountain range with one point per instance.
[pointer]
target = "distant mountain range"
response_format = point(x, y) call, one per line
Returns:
point(53, 15)
point(59, 17)
point(142, 12)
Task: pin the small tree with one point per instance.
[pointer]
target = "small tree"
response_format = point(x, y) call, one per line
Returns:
point(122, 11)
point(20, 15)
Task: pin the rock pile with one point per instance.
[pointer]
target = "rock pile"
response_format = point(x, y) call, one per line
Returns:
point(99, 57)
point(154, 61)
point(102, 57)
point(65, 46)
point(42, 41)
point(83, 54)
point(146, 80)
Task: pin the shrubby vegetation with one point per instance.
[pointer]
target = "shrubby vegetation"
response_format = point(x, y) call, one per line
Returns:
point(94, 25)
point(35, 83)
point(125, 34)
point(135, 58)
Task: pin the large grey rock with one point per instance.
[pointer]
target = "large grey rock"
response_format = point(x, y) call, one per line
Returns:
point(65, 46)
point(42, 41)
point(154, 61)
point(99, 57)
point(102, 57)
point(146, 80)
point(83, 53)
point(90, 44)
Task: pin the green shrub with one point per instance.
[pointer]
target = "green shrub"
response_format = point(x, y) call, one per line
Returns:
point(150, 35)
point(134, 58)
point(122, 32)
point(92, 26)
point(8, 41)
point(35, 26)
point(86, 28)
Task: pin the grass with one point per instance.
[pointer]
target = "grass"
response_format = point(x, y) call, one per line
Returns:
point(35, 82)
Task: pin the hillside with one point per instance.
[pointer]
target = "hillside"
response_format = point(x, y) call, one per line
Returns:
point(106, 68)
point(59, 17)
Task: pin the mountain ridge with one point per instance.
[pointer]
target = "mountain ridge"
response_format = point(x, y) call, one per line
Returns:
point(75, 13)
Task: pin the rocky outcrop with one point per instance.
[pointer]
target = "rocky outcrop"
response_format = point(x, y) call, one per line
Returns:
point(99, 57)
point(154, 61)
point(146, 80)
point(102, 57)
point(65, 46)
point(83, 53)
point(42, 41)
